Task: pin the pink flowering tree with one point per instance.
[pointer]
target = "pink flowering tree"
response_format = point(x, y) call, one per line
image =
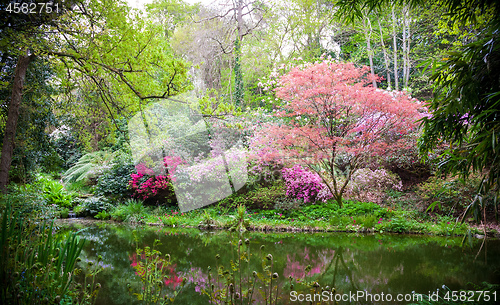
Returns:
point(334, 121)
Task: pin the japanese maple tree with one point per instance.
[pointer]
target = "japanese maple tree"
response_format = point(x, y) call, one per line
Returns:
point(334, 121)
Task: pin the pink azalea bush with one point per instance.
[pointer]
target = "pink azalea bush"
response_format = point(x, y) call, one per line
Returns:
point(147, 185)
point(304, 184)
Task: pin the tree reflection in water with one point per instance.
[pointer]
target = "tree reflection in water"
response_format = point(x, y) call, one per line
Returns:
point(375, 263)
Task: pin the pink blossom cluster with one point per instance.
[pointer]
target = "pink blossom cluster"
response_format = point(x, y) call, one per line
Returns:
point(302, 183)
point(141, 168)
point(171, 163)
point(150, 187)
point(145, 185)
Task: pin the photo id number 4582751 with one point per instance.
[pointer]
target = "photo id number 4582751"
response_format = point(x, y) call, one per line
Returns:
point(32, 8)
point(470, 296)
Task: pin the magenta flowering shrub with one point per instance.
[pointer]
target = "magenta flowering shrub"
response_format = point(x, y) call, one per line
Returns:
point(146, 185)
point(304, 184)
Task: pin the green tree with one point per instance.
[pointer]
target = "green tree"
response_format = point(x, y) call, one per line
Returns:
point(466, 105)
point(466, 112)
point(465, 108)
point(233, 22)
point(32, 142)
point(98, 45)
point(171, 13)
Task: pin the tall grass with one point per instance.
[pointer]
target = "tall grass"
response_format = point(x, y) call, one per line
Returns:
point(35, 267)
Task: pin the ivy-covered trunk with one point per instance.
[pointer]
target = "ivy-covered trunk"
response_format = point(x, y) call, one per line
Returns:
point(238, 76)
point(12, 116)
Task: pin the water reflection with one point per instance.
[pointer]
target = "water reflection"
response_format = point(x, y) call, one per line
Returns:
point(373, 263)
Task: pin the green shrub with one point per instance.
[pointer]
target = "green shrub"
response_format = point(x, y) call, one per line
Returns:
point(340, 221)
point(92, 206)
point(287, 203)
point(398, 225)
point(119, 213)
point(207, 221)
point(103, 215)
point(135, 206)
point(394, 193)
point(66, 146)
point(90, 166)
point(169, 221)
point(79, 187)
point(367, 221)
point(261, 198)
point(450, 195)
point(240, 220)
point(54, 192)
point(447, 225)
point(114, 183)
point(355, 208)
point(320, 211)
point(29, 201)
point(132, 211)
point(64, 213)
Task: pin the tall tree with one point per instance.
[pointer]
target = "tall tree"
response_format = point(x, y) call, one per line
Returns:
point(13, 115)
point(367, 30)
point(32, 142)
point(386, 55)
point(17, 27)
point(406, 44)
point(171, 13)
point(395, 46)
point(100, 43)
point(240, 15)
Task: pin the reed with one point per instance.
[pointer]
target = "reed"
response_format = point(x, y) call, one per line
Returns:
point(35, 267)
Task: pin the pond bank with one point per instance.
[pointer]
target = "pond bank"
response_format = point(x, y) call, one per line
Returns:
point(476, 232)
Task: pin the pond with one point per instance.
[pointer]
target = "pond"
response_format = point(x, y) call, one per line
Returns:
point(352, 263)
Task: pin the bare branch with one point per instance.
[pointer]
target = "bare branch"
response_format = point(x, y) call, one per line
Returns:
point(215, 17)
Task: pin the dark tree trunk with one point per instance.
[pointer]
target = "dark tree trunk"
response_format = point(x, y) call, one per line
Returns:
point(13, 114)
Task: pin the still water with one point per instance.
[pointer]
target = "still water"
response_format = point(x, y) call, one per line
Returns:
point(352, 263)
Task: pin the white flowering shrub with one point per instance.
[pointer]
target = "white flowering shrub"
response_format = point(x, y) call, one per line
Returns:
point(371, 185)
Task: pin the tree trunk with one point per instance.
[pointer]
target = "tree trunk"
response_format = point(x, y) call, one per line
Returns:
point(405, 62)
point(395, 49)
point(407, 21)
point(238, 76)
point(13, 114)
point(367, 27)
point(386, 57)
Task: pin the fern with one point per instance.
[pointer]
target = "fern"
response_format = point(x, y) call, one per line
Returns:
point(90, 166)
